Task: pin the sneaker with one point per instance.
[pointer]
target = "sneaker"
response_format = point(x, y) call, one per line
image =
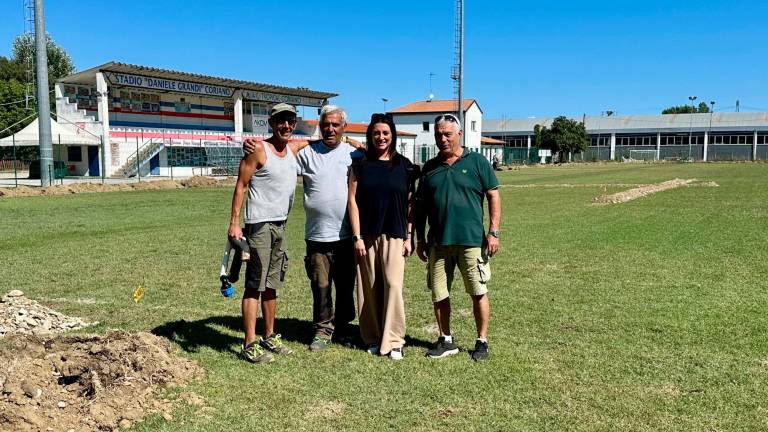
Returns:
point(255, 354)
point(319, 343)
point(275, 344)
point(442, 349)
point(344, 336)
point(373, 350)
point(396, 354)
point(481, 351)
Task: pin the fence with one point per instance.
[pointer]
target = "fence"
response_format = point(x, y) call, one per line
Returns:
point(8, 165)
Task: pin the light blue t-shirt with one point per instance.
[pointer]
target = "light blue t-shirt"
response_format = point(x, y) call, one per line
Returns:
point(324, 171)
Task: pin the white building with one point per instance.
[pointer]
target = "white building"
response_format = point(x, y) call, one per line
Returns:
point(698, 137)
point(419, 118)
point(166, 123)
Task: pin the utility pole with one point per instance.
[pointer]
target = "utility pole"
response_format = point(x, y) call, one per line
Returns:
point(43, 105)
point(431, 95)
point(458, 68)
point(690, 130)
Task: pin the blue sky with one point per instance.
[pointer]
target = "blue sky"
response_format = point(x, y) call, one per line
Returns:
point(522, 59)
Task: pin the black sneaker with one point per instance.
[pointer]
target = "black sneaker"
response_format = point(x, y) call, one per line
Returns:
point(481, 351)
point(442, 349)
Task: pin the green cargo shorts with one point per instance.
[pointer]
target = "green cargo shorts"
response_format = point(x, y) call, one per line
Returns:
point(473, 264)
point(269, 257)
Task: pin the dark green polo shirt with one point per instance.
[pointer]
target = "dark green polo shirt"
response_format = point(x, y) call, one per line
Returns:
point(452, 198)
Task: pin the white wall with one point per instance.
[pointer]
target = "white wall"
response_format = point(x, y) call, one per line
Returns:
point(413, 123)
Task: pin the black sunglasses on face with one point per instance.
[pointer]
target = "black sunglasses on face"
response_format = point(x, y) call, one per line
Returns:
point(289, 118)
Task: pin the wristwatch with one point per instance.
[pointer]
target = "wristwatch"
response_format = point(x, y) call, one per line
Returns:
point(356, 238)
point(494, 233)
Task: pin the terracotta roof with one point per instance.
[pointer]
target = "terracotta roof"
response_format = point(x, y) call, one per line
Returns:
point(359, 128)
point(434, 106)
point(489, 140)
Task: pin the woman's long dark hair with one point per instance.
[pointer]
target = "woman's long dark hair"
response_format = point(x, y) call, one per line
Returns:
point(387, 120)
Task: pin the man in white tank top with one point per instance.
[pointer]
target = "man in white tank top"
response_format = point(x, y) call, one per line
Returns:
point(269, 175)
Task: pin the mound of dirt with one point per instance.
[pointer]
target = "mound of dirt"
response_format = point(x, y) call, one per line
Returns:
point(157, 184)
point(84, 382)
point(75, 188)
point(20, 315)
point(200, 181)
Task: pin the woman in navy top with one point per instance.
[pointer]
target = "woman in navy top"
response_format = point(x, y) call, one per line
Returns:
point(380, 213)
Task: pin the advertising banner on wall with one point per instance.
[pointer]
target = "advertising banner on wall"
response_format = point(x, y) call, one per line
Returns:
point(260, 125)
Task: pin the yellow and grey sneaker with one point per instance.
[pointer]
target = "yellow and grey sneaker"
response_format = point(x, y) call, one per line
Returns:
point(255, 354)
point(275, 344)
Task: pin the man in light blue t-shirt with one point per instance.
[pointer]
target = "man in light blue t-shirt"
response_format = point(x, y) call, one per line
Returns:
point(324, 166)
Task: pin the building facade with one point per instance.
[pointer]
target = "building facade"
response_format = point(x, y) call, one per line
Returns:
point(738, 136)
point(153, 121)
point(418, 118)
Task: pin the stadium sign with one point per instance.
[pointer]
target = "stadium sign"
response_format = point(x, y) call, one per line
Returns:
point(169, 85)
point(282, 98)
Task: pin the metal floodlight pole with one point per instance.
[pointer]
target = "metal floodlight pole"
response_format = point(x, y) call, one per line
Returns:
point(43, 104)
point(461, 70)
point(15, 174)
point(690, 130)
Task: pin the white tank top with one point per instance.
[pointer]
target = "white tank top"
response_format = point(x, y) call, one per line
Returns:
point(271, 188)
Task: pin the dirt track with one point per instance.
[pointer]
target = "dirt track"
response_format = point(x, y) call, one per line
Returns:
point(641, 191)
point(76, 188)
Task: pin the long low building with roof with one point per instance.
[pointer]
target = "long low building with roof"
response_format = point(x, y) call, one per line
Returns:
point(151, 121)
point(699, 137)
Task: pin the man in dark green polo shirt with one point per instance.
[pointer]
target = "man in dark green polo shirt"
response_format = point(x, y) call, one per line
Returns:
point(450, 198)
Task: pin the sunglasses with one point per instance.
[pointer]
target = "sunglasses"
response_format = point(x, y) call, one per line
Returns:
point(279, 119)
point(378, 117)
point(447, 117)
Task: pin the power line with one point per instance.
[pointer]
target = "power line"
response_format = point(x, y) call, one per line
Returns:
point(14, 102)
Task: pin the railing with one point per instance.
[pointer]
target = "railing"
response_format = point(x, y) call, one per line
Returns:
point(8, 165)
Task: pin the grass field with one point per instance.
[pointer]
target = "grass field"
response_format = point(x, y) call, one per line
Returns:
point(644, 316)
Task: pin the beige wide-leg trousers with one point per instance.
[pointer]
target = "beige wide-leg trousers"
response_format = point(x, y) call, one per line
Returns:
point(380, 293)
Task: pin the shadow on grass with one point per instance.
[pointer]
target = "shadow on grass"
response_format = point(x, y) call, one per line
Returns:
point(208, 332)
point(191, 335)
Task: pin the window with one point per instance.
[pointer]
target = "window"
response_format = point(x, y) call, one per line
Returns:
point(259, 108)
point(229, 109)
point(473, 125)
point(425, 126)
point(74, 154)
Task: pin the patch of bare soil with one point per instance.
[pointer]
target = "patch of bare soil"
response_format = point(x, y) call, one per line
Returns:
point(326, 410)
point(82, 382)
point(641, 191)
point(570, 185)
point(75, 188)
point(205, 182)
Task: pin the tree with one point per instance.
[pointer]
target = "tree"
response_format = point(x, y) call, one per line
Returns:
point(59, 62)
point(687, 109)
point(13, 79)
point(564, 136)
